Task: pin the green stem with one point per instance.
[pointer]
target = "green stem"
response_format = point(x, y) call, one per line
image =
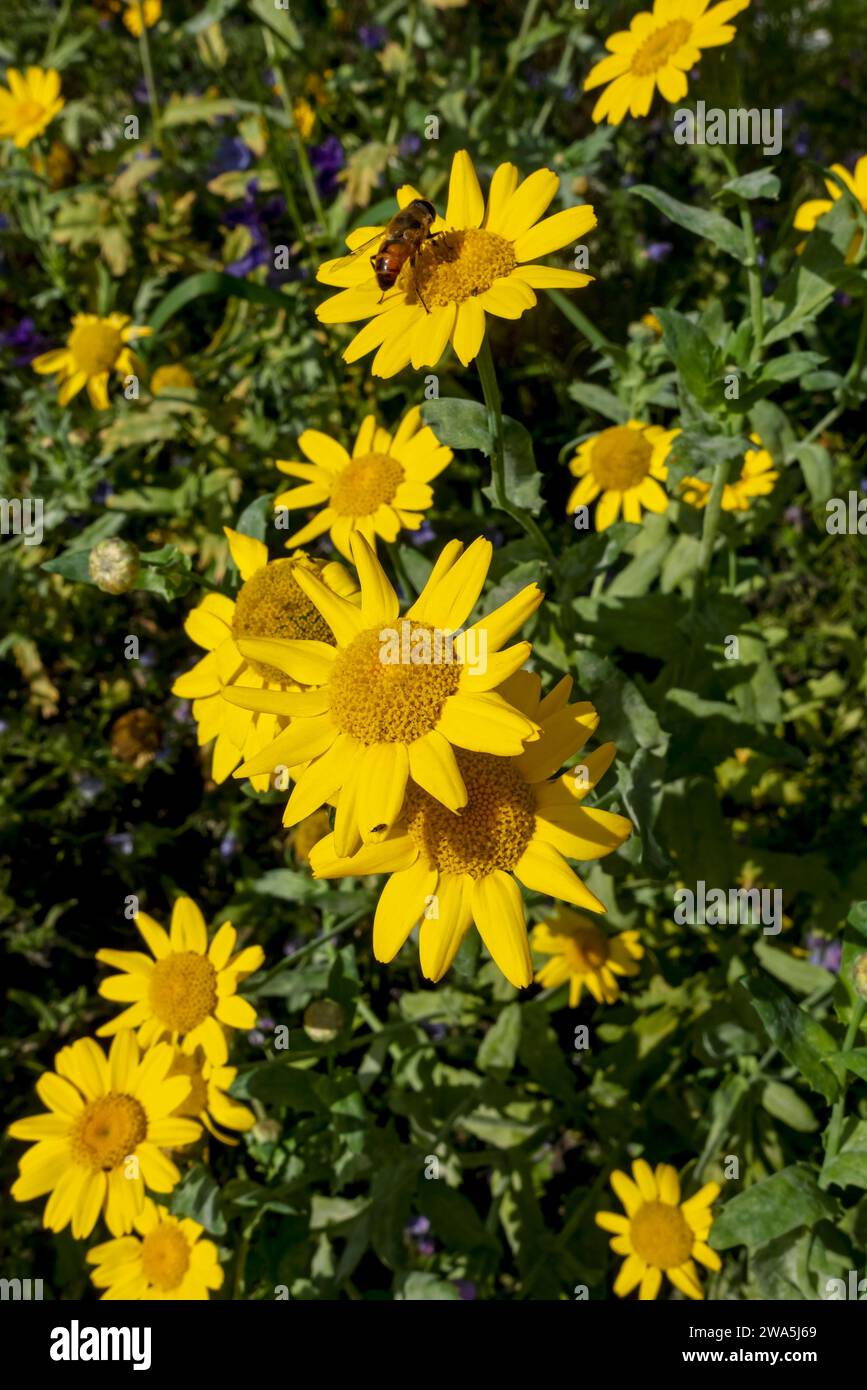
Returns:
point(147, 68)
point(294, 133)
point(753, 269)
point(712, 515)
point(493, 402)
point(838, 1114)
point(403, 78)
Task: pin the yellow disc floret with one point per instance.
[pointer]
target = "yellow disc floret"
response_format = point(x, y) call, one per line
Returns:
point(95, 346)
point(659, 47)
point(107, 1130)
point(661, 1235)
point(183, 990)
point(493, 830)
point(457, 266)
point(365, 484)
point(272, 604)
point(379, 699)
point(165, 1256)
point(620, 459)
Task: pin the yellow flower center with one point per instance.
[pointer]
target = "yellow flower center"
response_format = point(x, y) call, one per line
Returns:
point(28, 112)
point(107, 1131)
point(660, 47)
point(183, 990)
point(586, 950)
point(491, 832)
point(191, 1066)
point(272, 604)
point(383, 690)
point(95, 347)
point(660, 1235)
point(165, 1256)
point(365, 484)
point(457, 266)
point(620, 459)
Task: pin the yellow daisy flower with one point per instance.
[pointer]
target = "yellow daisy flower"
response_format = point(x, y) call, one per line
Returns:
point(95, 348)
point(658, 50)
point(208, 1100)
point(165, 1259)
point(626, 464)
point(395, 696)
point(170, 377)
point(757, 478)
point(476, 264)
point(582, 953)
point(102, 1142)
point(809, 213)
point(517, 827)
point(29, 104)
point(141, 14)
point(188, 991)
point(382, 488)
point(659, 1233)
point(269, 605)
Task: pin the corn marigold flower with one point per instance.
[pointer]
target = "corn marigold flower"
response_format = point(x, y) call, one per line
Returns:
point(95, 348)
point(584, 956)
point(809, 213)
point(625, 464)
point(208, 1100)
point(269, 605)
point(165, 1259)
point(102, 1142)
point(171, 378)
point(477, 263)
point(29, 104)
point(757, 479)
point(394, 697)
point(186, 990)
point(518, 826)
point(657, 51)
point(659, 1234)
point(383, 487)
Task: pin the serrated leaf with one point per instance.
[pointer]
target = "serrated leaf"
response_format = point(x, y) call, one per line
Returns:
point(771, 1208)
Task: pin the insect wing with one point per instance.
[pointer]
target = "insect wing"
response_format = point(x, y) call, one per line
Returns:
point(344, 270)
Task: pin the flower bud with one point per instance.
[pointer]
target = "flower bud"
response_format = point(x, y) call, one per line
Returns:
point(323, 1020)
point(113, 565)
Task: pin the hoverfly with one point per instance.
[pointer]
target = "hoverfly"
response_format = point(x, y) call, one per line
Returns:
point(400, 243)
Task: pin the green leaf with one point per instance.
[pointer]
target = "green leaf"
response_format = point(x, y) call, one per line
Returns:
point(847, 1170)
point(198, 1196)
point(858, 918)
point(597, 399)
point(213, 282)
point(523, 480)
point(802, 1040)
point(499, 1047)
point(789, 970)
point(72, 564)
point(454, 1218)
point(698, 362)
point(458, 424)
point(708, 225)
point(771, 1208)
point(818, 471)
point(422, 1287)
point(808, 288)
point(761, 183)
point(254, 520)
point(786, 1105)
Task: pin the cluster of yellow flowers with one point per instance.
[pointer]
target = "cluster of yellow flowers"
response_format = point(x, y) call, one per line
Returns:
point(436, 751)
point(114, 1120)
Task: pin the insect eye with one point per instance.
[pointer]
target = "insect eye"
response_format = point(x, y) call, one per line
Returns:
point(428, 207)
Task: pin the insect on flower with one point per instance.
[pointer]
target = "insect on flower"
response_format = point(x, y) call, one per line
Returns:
point(400, 244)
